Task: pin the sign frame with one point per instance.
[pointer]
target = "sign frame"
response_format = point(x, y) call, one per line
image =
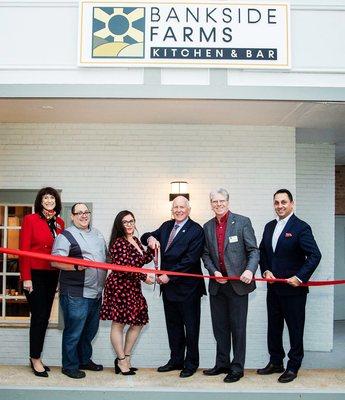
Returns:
point(104, 42)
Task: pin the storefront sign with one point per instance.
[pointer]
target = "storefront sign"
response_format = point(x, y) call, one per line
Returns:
point(221, 34)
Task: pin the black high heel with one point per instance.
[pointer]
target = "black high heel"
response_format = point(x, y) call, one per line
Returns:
point(43, 374)
point(118, 369)
point(131, 368)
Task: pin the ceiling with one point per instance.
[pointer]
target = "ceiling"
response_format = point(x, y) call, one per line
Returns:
point(315, 121)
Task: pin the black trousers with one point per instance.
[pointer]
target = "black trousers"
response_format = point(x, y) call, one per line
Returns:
point(229, 321)
point(292, 310)
point(183, 325)
point(40, 301)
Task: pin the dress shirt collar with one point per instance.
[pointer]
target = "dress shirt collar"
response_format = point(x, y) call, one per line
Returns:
point(284, 220)
point(224, 219)
point(182, 223)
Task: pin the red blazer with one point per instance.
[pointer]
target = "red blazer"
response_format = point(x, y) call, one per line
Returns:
point(36, 236)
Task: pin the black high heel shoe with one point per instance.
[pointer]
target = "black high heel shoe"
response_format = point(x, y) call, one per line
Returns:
point(131, 368)
point(118, 369)
point(43, 374)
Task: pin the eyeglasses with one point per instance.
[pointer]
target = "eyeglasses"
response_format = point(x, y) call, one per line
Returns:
point(80, 213)
point(128, 223)
point(215, 202)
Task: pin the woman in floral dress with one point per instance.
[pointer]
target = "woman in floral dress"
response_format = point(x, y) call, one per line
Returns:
point(123, 301)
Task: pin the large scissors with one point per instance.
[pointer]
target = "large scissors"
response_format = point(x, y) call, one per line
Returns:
point(155, 263)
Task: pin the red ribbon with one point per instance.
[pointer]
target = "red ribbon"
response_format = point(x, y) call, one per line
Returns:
point(121, 268)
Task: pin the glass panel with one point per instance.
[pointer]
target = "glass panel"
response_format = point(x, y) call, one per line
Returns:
point(16, 214)
point(12, 263)
point(13, 286)
point(12, 240)
point(2, 215)
point(2, 244)
point(17, 308)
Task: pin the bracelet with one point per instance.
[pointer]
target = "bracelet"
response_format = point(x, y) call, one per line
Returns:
point(76, 267)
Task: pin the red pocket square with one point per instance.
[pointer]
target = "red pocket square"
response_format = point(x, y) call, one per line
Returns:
point(288, 234)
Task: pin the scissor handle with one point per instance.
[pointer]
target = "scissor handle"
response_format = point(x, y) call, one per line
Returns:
point(155, 259)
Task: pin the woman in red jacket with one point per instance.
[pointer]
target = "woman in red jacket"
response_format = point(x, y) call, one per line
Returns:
point(39, 278)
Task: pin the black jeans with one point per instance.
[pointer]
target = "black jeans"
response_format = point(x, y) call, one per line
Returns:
point(40, 300)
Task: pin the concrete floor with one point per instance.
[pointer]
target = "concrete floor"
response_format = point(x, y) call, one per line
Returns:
point(18, 382)
point(331, 360)
point(307, 381)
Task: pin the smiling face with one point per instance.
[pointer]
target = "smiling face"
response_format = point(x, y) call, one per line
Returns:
point(180, 209)
point(219, 204)
point(81, 216)
point(283, 206)
point(128, 223)
point(48, 202)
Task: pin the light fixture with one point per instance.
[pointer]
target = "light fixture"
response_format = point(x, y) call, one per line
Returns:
point(178, 188)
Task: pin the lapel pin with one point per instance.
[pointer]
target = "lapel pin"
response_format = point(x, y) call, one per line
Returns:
point(288, 234)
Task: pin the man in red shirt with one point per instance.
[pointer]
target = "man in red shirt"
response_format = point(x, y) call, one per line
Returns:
point(230, 250)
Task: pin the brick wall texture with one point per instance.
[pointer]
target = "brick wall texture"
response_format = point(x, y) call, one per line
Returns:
point(130, 167)
point(340, 189)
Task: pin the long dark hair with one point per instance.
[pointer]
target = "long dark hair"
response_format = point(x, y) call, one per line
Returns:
point(43, 192)
point(118, 229)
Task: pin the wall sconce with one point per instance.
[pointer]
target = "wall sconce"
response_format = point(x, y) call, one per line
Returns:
point(178, 188)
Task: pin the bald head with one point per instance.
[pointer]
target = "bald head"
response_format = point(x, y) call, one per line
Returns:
point(181, 200)
point(180, 208)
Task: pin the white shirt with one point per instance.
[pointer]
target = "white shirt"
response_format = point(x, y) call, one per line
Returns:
point(278, 230)
point(180, 225)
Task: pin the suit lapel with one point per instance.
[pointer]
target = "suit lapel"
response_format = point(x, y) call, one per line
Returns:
point(270, 230)
point(45, 227)
point(213, 235)
point(230, 229)
point(167, 234)
point(285, 230)
point(180, 233)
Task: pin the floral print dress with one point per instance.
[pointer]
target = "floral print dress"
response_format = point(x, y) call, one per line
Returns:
point(123, 301)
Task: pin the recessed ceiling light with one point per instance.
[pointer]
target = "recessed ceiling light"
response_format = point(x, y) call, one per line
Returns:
point(47, 108)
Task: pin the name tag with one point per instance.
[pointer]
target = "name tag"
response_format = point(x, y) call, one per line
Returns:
point(233, 239)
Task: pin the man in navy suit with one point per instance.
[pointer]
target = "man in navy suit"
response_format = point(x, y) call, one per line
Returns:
point(288, 250)
point(181, 243)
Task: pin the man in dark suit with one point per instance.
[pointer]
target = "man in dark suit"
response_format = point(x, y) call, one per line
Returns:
point(181, 243)
point(230, 250)
point(287, 250)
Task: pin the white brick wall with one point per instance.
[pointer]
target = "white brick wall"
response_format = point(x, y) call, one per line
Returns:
point(130, 166)
point(315, 204)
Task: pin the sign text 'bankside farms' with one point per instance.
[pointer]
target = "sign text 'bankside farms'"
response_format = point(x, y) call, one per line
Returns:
point(222, 34)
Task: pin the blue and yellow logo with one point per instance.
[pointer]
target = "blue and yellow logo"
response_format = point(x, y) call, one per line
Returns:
point(118, 32)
